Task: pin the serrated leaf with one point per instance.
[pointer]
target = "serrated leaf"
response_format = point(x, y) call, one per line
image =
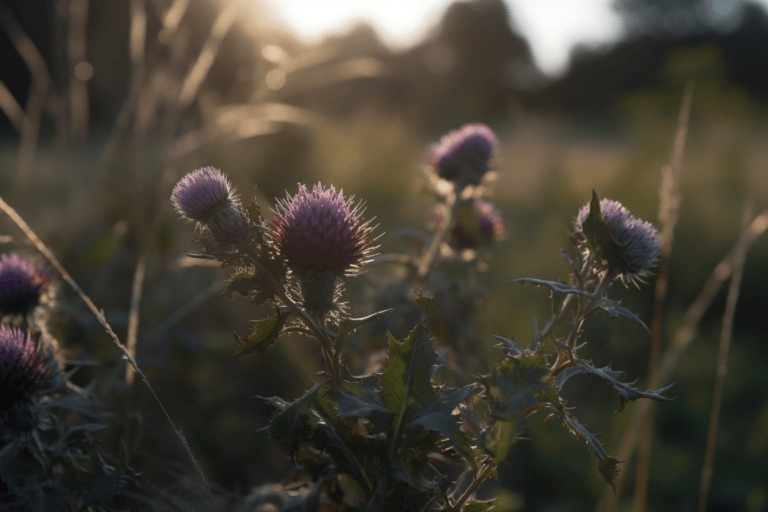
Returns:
point(511, 385)
point(356, 401)
point(479, 506)
point(512, 348)
point(287, 422)
point(615, 310)
point(500, 438)
point(598, 232)
point(265, 332)
point(350, 325)
point(627, 392)
point(607, 465)
point(438, 417)
point(407, 379)
point(557, 287)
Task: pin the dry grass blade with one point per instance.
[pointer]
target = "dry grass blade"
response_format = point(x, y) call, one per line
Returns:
point(682, 339)
point(78, 87)
point(16, 218)
point(669, 208)
point(722, 358)
point(199, 70)
point(11, 107)
point(133, 317)
point(26, 48)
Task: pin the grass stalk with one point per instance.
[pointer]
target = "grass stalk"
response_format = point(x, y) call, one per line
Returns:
point(722, 359)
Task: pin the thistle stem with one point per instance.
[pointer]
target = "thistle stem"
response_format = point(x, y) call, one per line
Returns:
point(429, 258)
point(473, 486)
point(328, 350)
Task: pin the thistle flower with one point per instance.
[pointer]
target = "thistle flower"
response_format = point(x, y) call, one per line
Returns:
point(22, 366)
point(321, 230)
point(462, 155)
point(21, 285)
point(636, 244)
point(206, 196)
point(477, 224)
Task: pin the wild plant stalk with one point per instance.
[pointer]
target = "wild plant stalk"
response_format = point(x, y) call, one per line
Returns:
point(133, 315)
point(681, 340)
point(45, 251)
point(78, 87)
point(669, 208)
point(722, 359)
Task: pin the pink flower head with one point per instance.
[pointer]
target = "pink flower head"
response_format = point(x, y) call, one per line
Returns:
point(21, 284)
point(21, 365)
point(321, 230)
point(464, 152)
point(207, 196)
point(638, 245)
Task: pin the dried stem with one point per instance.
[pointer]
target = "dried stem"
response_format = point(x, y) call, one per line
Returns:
point(133, 317)
point(722, 359)
point(669, 208)
point(473, 486)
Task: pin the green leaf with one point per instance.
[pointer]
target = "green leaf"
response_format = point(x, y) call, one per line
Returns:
point(357, 401)
point(598, 232)
point(478, 506)
point(250, 283)
point(407, 379)
point(350, 325)
point(287, 423)
point(500, 438)
point(627, 392)
point(265, 332)
point(614, 310)
point(556, 287)
point(512, 384)
point(438, 417)
point(607, 465)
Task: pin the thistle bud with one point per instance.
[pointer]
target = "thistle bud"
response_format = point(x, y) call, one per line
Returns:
point(206, 196)
point(477, 224)
point(22, 367)
point(21, 285)
point(630, 246)
point(462, 156)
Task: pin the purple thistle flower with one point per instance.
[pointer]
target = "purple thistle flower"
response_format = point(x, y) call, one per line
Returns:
point(21, 284)
point(22, 366)
point(638, 245)
point(206, 196)
point(476, 225)
point(321, 230)
point(464, 154)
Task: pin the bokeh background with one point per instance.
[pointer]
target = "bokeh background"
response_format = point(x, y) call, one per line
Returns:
point(104, 105)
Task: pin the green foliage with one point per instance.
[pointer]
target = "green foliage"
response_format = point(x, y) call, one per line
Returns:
point(265, 332)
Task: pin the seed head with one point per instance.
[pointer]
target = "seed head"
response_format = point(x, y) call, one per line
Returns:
point(321, 230)
point(21, 284)
point(636, 244)
point(22, 366)
point(206, 196)
point(463, 155)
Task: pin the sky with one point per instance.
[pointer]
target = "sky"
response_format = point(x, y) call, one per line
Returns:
point(552, 27)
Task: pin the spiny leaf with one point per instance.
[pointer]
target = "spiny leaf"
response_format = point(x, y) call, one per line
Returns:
point(615, 310)
point(598, 232)
point(350, 325)
point(248, 282)
point(511, 384)
point(559, 290)
point(356, 401)
point(290, 417)
point(438, 417)
point(607, 465)
point(627, 392)
point(478, 506)
point(265, 332)
point(407, 379)
point(500, 438)
point(512, 348)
